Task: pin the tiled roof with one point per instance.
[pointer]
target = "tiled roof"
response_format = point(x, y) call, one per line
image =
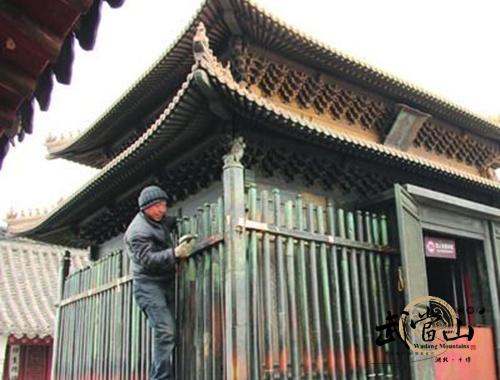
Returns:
point(248, 102)
point(29, 274)
point(207, 71)
point(273, 34)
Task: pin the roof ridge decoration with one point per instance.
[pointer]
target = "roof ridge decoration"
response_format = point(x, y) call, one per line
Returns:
point(201, 48)
point(204, 55)
point(61, 140)
point(26, 218)
point(236, 152)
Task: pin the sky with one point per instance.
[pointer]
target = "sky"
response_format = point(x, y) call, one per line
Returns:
point(447, 47)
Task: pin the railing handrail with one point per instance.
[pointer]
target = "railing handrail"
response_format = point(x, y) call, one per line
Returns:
point(200, 246)
point(99, 289)
point(315, 237)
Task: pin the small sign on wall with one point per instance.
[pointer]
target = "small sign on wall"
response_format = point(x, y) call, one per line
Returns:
point(441, 248)
point(15, 356)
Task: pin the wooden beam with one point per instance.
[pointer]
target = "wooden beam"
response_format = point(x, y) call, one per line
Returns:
point(16, 82)
point(46, 41)
point(405, 128)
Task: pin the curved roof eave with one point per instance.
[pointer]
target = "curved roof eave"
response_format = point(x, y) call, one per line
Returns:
point(301, 46)
point(211, 73)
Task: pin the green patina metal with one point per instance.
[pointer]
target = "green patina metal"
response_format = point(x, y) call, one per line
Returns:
point(314, 290)
point(302, 295)
point(254, 301)
point(281, 293)
point(356, 294)
point(326, 301)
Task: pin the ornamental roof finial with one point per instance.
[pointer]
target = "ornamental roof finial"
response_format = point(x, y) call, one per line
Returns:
point(201, 46)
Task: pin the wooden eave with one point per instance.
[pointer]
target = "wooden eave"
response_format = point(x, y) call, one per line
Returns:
point(178, 123)
point(255, 107)
point(208, 80)
point(227, 18)
point(37, 40)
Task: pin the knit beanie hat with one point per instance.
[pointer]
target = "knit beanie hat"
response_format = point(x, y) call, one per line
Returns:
point(150, 195)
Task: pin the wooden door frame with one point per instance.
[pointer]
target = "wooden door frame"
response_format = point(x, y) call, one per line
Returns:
point(460, 217)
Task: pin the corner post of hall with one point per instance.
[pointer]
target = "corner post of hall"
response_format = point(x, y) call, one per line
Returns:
point(236, 289)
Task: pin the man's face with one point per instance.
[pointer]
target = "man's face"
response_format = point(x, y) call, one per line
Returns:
point(157, 211)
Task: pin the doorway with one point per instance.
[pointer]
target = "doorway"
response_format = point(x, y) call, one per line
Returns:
point(459, 279)
point(468, 282)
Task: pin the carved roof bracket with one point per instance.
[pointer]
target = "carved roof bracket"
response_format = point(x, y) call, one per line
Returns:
point(405, 128)
point(204, 57)
point(201, 45)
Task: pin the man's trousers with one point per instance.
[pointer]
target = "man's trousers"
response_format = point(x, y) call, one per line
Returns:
point(156, 299)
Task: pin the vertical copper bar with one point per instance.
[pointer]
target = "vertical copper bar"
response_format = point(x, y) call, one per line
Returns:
point(254, 287)
point(326, 301)
point(267, 292)
point(127, 296)
point(292, 300)
point(374, 295)
point(302, 292)
point(207, 297)
point(377, 238)
point(280, 263)
point(356, 297)
point(368, 324)
point(199, 301)
point(336, 297)
point(389, 288)
point(86, 316)
point(350, 349)
point(315, 301)
point(217, 302)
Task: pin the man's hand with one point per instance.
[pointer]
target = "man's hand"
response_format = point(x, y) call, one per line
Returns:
point(185, 248)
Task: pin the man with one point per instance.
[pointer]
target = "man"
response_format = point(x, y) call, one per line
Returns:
point(153, 269)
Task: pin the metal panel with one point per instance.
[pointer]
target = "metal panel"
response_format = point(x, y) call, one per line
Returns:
point(449, 202)
point(414, 269)
point(492, 253)
point(458, 224)
point(411, 245)
point(495, 240)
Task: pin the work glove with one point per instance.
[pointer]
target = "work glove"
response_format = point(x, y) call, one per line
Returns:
point(185, 247)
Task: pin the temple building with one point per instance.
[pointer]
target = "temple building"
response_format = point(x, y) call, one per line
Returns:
point(328, 197)
point(29, 286)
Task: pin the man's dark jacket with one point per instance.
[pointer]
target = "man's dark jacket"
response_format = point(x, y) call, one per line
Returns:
point(150, 247)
